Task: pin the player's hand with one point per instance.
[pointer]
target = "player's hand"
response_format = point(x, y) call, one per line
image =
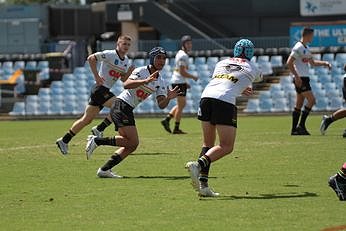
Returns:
point(248, 91)
point(328, 65)
point(99, 80)
point(171, 94)
point(130, 70)
point(152, 77)
point(195, 78)
point(298, 81)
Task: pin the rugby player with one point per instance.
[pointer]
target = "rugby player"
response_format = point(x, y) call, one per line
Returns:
point(114, 66)
point(298, 63)
point(218, 112)
point(142, 83)
point(179, 77)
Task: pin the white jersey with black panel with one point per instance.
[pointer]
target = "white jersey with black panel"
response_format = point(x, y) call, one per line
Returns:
point(112, 66)
point(230, 78)
point(302, 56)
point(181, 59)
point(135, 96)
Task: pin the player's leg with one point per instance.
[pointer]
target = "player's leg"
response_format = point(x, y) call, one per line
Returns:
point(305, 113)
point(338, 183)
point(127, 140)
point(98, 130)
point(327, 120)
point(169, 116)
point(181, 102)
point(209, 136)
point(89, 114)
point(296, 113)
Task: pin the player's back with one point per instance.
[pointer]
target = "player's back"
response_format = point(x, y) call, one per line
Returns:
point(231, 76)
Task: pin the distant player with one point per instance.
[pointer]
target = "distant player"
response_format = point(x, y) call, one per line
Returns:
point(338, 183)
point(180, 75)
point(298, 63)
point(140, 85)
point(114, 66)
point(218, 113)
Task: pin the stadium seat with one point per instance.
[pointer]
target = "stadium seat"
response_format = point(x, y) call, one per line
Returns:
point(254, 59)
point(321, 104)
point(324, 79)
point(43, 64)
point(19, 65)
point(138, 62)
point(316, 56)
point(279, 105)
point(264, 95)
point(328, 57)
point(263, 59)
point(18, 109)
point(276, 61)
point(266, 105)
point(266, 68)
point(252, 106)
point(335, 103)
point(31, 65)
point(340, 58)
point(319, 93)
point(199, 60)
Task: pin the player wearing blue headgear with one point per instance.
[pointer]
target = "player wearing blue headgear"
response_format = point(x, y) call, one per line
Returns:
point(143, 82)
point(218, 113)
point(179, 78)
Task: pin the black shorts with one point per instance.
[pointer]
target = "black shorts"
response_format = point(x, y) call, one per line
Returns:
point(182, 88)
point(122, 114)
point(99, 95)
point(217, 112)
point(305, 85)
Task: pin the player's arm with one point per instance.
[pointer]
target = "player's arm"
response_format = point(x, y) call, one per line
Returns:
point(290, 65)
point(92, 63)
point(183, 72)
point(128, 73)
point(163, 101)
point(132, 82)
point(317, 63)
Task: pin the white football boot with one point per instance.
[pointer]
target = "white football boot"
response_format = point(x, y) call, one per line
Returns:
point(194, 170)
point(62, 146)
point(107, 174)
point(96, 132)
point(207, 192)
point(90, 146)
point(324, 126)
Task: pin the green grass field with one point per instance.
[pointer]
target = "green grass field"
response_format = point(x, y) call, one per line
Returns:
point(272, 181)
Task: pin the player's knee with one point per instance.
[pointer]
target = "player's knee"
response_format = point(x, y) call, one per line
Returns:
point(313, 101)
point(227, 149)
point(133, 145)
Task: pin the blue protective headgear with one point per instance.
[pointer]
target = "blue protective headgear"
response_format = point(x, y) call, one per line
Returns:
point(154, 52)
point(244, 46)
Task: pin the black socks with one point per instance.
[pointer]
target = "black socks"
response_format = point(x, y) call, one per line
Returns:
point(176, 127)
point(111, 141)
point(203, 178)
point(114, 160)
point(295, 118)
point(169, 117)
point(102, 126)
point(68, 136)
point(305, 114)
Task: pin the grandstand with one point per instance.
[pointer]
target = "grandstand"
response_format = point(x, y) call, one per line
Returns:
point(54, 80)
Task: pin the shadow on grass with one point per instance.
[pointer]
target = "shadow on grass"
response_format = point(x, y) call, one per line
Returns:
point(159, 177)
point(266, 196)
point(154, 154)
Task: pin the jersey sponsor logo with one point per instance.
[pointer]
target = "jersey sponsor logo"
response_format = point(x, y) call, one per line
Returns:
point(114, 74)
point(227, 76)
point(143, 92)
point(305, 60)
point(103, 56)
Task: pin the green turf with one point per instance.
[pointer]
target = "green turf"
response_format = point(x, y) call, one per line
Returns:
point(272, 181)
